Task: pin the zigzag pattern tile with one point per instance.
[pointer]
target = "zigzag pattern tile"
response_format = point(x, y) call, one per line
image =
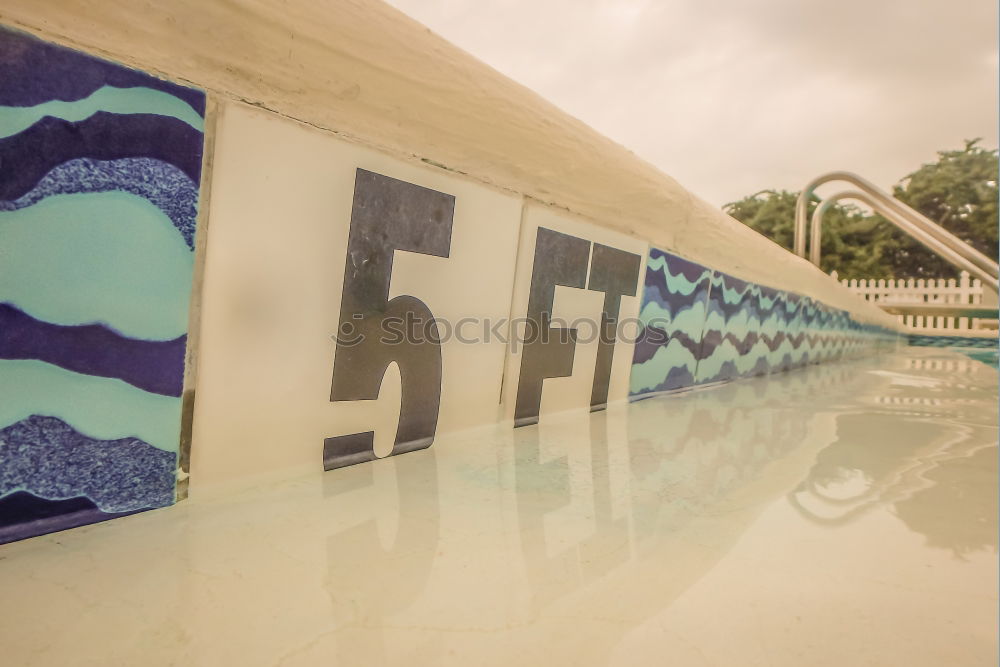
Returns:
point(702, 326)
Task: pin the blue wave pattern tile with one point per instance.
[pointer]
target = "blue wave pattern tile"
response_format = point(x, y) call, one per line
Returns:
point(729, 345)
point(100, 168)
point(672, 316)
point(781, 328)
point(793, 350)
point(702, 326)
point(163, 185)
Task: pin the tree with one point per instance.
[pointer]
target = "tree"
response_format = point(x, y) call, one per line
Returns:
point(959, 191)
point(852, 240)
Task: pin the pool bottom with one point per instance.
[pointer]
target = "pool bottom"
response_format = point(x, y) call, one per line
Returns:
point(840, 514)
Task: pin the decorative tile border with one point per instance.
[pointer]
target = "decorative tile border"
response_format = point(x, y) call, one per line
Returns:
point(924, 340)
point(674, 302)
point(703, 326)
point(100, 168)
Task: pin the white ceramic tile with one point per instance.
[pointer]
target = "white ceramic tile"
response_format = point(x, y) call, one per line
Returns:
point(281, 211)
point(570, 304)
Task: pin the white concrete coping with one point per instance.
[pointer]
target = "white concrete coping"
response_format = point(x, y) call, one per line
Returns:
point(367, 72)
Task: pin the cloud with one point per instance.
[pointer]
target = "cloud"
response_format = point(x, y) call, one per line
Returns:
point(731, 98)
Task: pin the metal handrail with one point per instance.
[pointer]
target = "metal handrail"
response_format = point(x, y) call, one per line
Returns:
point(919, 222)
point(904, 223)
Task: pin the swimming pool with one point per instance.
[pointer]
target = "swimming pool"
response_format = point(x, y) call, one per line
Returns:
point(838, 514)
point(988, 357)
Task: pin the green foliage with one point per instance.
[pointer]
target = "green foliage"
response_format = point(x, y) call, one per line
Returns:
point(958, 191)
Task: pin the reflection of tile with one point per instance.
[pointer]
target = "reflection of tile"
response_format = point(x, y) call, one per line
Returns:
point(100, 168)
point(674, 297)
point(731, 331)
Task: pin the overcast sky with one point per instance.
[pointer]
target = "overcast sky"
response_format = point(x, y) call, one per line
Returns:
point(738, 96)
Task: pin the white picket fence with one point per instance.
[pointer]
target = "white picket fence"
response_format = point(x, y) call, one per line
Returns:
point(925, 291)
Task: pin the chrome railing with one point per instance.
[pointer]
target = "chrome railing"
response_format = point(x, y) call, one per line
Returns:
point(927, 232)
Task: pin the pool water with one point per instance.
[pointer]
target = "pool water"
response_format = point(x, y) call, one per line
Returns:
point(838, 515)
point(988, 357)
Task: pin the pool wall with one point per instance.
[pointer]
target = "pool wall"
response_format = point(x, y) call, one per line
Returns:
point(354, 174)
point(930, 340)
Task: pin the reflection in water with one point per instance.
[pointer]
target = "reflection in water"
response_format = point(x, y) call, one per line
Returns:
point(653, 533)
point(931, 511)
point(544, 488)
point(923, 453)
point(692, 472)
point(373, 574)
point(602, 521)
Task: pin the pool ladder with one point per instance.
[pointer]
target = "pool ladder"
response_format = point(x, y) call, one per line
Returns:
point(932, 235)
